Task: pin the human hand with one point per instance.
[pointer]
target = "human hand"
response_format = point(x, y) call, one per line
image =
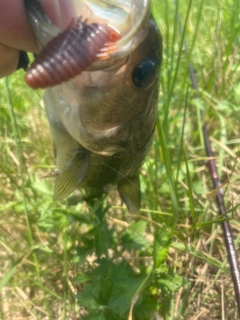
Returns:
point(16, 33)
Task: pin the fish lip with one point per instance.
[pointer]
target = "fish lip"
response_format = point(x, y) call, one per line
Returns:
point(140, 25)
point(42, 27)
point(128, 42)
point(137, 31)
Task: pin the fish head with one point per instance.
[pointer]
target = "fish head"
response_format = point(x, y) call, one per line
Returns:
point(105, 106)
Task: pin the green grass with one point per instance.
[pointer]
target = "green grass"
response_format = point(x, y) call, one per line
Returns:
point(100, 262)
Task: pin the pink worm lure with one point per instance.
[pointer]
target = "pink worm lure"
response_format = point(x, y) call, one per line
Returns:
point(70, 53)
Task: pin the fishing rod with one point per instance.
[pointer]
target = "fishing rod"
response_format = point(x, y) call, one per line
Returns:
point(219, 198)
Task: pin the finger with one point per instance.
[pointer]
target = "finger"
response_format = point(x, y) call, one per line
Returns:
point(15, 30)
point(9, 60)
point(60, 12)
point(67, 12)
point(16, 33)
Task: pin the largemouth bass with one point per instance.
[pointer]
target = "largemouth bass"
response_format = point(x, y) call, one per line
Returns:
point(102, 121)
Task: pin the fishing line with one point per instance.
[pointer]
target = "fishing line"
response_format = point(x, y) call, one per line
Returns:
point(219, 198)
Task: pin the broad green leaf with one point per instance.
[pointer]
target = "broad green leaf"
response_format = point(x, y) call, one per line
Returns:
point(124, 289)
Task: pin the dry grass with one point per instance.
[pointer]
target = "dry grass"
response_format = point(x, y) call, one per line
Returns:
point(49, 252)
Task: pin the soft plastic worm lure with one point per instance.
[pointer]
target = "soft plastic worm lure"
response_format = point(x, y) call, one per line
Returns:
point(70, 53)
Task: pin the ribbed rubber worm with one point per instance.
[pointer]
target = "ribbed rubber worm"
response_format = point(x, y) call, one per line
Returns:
point(70, 53)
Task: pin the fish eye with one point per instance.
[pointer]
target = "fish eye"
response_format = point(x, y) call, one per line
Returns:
point(145, 72)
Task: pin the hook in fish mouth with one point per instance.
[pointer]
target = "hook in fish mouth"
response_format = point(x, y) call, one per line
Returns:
point(127, 18)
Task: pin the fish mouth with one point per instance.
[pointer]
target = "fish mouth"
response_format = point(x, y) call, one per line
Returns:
point(128, 17)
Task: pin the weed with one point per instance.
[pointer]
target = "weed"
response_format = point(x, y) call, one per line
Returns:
point(96, 261)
